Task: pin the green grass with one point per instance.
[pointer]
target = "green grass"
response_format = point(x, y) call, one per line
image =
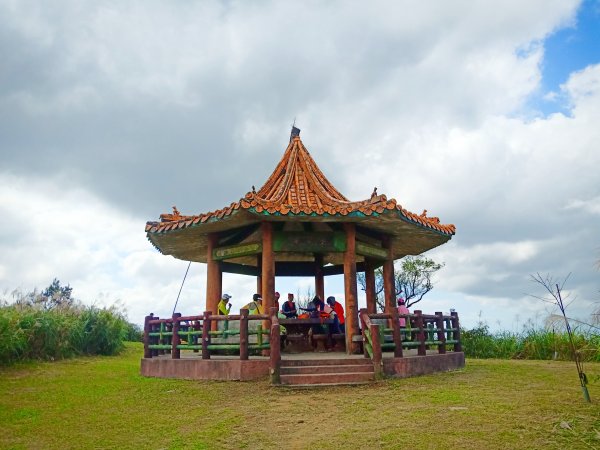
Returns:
point(103, 402)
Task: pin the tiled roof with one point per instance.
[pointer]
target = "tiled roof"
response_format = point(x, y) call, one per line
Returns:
point(298, 187)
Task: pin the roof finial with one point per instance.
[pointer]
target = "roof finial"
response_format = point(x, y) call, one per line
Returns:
point(295, 131)
point(374, 194)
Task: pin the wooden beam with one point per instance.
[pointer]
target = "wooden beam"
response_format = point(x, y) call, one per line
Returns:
point(241, 269)
point(237, 250)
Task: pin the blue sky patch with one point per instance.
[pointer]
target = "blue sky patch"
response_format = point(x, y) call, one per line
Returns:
point(568, 50)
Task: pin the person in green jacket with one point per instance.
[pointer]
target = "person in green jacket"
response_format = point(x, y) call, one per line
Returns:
point(224, 306)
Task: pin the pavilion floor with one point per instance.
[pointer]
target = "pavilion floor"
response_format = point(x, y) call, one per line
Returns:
point(222, 367)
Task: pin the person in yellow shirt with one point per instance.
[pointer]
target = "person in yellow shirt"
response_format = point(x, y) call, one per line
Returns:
point(255, 306)
point(224, 306)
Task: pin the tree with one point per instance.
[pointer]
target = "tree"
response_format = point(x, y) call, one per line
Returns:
point(412, 280)
point(554, 289)
point(55, 296)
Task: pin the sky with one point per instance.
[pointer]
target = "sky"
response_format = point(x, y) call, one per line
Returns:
point(485, 115)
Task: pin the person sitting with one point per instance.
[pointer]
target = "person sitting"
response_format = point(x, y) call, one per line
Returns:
point(224, 306)
point(314, 308)
point(333, 328)
point(255, 306)
point(289, 308)
point(339, 311)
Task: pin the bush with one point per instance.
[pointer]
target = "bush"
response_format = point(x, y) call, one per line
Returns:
point(30, 332)
point(133, 333)
point(532, 343)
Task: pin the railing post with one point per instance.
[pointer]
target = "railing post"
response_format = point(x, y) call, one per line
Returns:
point(147, 351)
point(363, 327)
point(244, 334)
point(206, 335)
point(396, 334)
point(175, 339)
point(155, 339)
point(441, 335)
point(376, 344)
point(422, 350)
point(456, 332)
point(274, 341)
point(196, 327)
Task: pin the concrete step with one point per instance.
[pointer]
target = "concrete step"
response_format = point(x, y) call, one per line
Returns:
point(326, 362)
point(327, 378)
point(327, 368)
point(322, 385)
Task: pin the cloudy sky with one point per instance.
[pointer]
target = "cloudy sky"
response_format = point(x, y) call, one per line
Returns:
point(485, 115)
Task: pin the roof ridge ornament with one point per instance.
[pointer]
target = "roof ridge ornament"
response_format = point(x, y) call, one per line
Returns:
point(295, 131)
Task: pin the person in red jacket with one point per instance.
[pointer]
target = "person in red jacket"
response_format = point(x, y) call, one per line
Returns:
point(339, 311)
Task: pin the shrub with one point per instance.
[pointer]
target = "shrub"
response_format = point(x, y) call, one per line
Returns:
point(31, 332)
point(532, 343)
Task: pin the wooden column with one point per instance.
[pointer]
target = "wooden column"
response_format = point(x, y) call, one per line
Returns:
point(319, 278)
point(389, 285)
point(214, 277)
point(370, 287)
point(268, 267)
point(350, 287)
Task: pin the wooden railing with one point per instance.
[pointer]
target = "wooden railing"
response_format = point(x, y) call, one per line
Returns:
point(421, 331)
point(196, 333)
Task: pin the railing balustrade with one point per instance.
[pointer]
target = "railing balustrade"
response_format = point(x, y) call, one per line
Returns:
point(382, 332)
point(195, 333)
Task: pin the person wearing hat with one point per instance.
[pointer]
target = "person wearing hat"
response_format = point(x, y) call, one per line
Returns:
point(255, 306)
point(402, 309)
point(289, 308)
point(224, 306)
point(339, 311)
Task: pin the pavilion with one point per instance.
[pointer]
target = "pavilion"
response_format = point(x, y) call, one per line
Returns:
point(299, 224)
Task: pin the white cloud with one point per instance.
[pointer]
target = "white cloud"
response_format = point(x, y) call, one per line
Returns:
point(148, 104)
point(591, 206)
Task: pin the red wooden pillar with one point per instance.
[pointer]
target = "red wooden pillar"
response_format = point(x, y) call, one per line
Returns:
point(350, 287)
point(214, 277)
point(268, 267)
point(389, 285)
point(319, 278)
point(370, 287)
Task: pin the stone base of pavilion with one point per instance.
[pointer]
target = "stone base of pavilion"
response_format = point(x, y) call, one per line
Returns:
point(191, 366)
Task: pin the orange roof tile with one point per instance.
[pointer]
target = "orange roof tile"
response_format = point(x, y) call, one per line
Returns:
point(297, 186)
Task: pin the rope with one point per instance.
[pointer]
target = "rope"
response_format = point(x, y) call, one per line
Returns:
point(184, 277)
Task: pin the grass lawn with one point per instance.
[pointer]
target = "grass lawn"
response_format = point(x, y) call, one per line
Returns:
point(103, 402)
